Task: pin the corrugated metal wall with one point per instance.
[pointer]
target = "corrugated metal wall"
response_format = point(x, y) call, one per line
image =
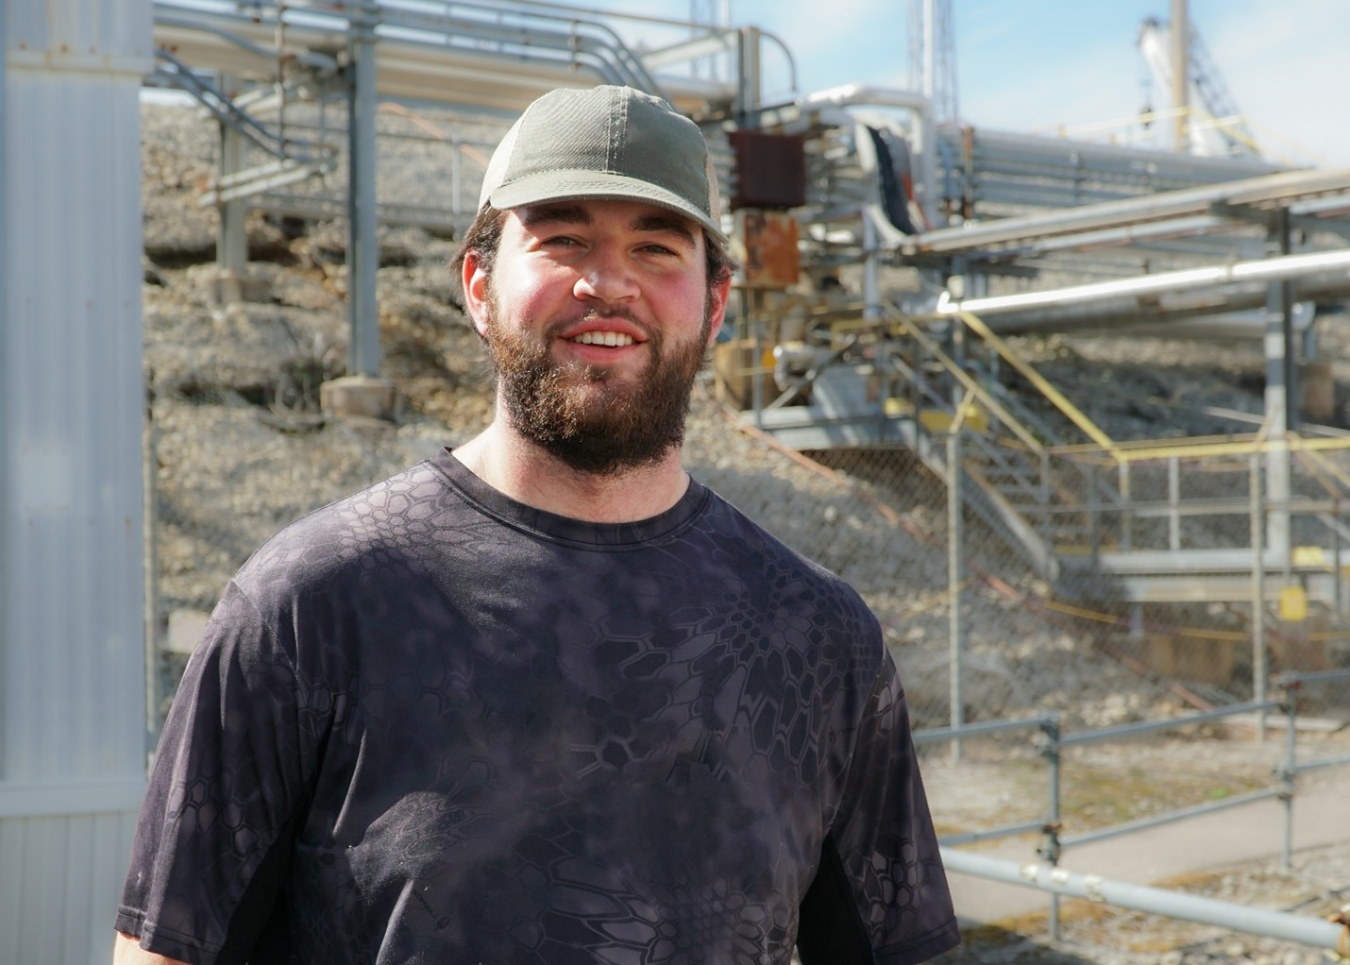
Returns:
point(72, 719)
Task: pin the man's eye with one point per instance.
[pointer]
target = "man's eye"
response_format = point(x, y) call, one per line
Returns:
point(561, 241)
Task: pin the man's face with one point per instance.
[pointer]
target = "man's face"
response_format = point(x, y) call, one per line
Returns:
point(597, 315)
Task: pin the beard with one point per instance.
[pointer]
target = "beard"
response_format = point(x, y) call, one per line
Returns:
point(587, 416)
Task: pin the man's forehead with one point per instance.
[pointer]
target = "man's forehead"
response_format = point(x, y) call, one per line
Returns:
point(636, 215)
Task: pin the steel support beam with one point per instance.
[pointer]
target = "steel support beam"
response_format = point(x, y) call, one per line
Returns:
point(231, 237)
point(363, 254)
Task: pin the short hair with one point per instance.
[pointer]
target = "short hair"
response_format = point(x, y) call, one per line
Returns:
point(485, 235)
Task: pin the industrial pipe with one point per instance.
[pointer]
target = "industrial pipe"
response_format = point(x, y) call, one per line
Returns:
point(863, 95)
point(1264, 270)
point(1331, 934)
point(1267, 189)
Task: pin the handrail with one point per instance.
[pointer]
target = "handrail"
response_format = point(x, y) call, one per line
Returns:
point(969, 384)
point(1247, 445)
point(1319, 464)
point(1333, 935)
point(1056, 398)
point(1050, 744)
point(227, 112)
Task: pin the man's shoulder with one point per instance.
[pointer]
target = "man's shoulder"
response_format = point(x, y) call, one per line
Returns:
point(387, 519)
point(777, 560)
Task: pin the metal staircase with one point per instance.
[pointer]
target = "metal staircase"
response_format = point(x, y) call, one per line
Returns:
point(289, 158)
point(1152, 521)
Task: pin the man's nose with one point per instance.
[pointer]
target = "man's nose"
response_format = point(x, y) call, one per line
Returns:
point(606, 276)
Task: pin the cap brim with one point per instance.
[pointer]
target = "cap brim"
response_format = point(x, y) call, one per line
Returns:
point(590, 185)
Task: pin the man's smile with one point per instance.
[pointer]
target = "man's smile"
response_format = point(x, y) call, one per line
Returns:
point(608, 339)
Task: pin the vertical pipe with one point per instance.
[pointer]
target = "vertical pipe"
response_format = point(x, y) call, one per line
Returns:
point(749, 90)
point(871, 270)
point(363, 255)
point(1051, 849)
point(1126, 516)
point(456, 180)
point(1047, 530)
point(757, 356)
point(1173, 503)
point(954, 542)
point(6, 313)
point(1258, 524)
point(1179, 35)
point(1337, 580)
point(930, 41)
point(150, 511)
point(1278, 394)
point(1290, 762)
point(231, 237)
point(1094, 514)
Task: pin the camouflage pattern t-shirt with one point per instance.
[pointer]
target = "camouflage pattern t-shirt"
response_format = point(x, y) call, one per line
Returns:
point(431, 724)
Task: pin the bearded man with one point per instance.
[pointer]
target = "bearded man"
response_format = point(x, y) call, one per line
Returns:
point(545, 699)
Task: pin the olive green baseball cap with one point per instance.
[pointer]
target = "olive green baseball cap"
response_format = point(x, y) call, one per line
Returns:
point(605, 143)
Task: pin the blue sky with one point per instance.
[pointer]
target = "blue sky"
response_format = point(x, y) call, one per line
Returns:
point(1034, 65)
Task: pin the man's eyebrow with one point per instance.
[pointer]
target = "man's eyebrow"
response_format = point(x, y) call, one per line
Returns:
point(671, 223)
point(554, 214)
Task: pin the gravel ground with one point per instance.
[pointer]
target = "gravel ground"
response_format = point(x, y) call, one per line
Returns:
point(240, 449)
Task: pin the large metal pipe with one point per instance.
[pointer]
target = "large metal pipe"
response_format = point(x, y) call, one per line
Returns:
point(1303, 929)
point(1181, 75)
point(1267, 190)
point(1262, 271)
point(1171, 310)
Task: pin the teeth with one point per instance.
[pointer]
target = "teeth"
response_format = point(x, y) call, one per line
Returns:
point(610, 339)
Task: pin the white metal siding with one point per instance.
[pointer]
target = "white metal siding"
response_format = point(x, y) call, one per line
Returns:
point(59, 887)
point(74, 403)
point(72, 737)
point(84, 31)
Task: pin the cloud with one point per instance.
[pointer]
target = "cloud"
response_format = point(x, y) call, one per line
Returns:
point(1287, 69)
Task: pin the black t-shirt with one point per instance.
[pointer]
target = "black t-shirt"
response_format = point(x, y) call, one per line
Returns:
point(431, 724)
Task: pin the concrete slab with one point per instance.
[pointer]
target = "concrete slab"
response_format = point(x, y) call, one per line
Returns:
point(359, 397)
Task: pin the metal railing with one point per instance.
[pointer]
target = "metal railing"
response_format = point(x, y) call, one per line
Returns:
point(1050, 743)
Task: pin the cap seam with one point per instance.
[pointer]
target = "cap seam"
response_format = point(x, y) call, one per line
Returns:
point(618, 125)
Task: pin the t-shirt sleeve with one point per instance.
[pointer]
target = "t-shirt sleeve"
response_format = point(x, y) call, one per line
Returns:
point(880, 892)
point(226, 790)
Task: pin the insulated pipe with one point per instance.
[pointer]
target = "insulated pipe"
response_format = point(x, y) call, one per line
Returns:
point(1181, 76)
point(1266, 189)
point(5, 313)
point(1168, 310)
point(859, 95)
point(1303, 929)
point(1265, 270)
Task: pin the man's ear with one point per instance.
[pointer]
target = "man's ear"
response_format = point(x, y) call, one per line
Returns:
point(474, 281)
point(717, 307)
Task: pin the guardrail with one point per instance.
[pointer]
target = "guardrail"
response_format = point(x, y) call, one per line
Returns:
point(1050, 743)
point(1333, 934)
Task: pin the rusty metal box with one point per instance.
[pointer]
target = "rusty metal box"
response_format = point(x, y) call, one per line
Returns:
point(770, 170)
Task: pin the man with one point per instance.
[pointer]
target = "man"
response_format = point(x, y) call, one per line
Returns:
point(544, 699)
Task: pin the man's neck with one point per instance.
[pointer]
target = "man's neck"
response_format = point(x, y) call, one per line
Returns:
point(518, 468)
